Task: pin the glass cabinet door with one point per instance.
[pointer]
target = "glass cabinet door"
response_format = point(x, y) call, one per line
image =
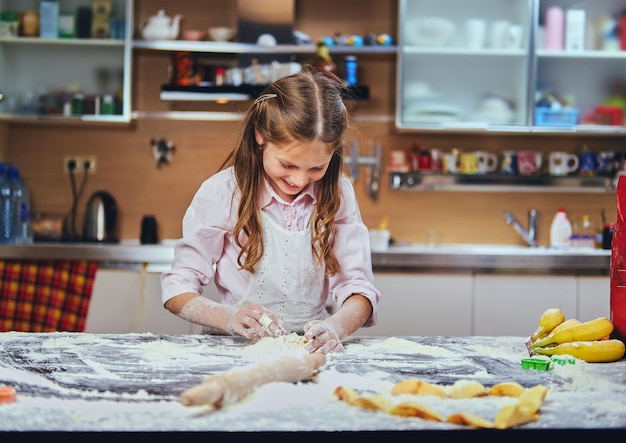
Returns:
point(581, 66)
point(79, 70)
point(464, 65)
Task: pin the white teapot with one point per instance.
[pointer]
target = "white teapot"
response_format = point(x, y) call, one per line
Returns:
point(161, 27)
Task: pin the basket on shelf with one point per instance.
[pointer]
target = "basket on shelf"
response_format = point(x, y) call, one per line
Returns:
point(556, 117)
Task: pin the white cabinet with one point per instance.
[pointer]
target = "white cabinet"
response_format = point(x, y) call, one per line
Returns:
point(512, 305)
point(594, 297)
point(127, 301)
point(40, 78)
point(423, 304)
point(590, 76)
point(449, 83)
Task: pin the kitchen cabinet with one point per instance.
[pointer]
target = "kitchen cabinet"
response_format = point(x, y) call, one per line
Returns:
point(594, 297)
point(209, 101)
point(512, 305)
point(447, 83)
point(129, 301)
point(423, 304)
point(68, 79)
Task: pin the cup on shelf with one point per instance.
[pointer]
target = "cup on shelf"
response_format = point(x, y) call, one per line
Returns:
point(508, 165)
point(562, 163)
point(449, 163)
point(529, 162)
point(468, 163)
point(475, 33)
point(487, 162)
point(607, 163)
point(588, 163)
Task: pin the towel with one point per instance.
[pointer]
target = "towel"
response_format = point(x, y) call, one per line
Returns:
point(45, 296)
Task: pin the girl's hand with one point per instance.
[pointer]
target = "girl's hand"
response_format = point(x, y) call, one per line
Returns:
point(323, 337)
point(254, 321)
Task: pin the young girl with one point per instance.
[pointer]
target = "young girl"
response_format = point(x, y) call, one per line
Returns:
point(278, 228)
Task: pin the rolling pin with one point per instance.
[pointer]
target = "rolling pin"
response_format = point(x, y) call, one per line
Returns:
point(228, 387)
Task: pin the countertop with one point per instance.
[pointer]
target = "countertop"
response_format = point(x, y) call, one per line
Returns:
point(78, 382)
point(403, 258)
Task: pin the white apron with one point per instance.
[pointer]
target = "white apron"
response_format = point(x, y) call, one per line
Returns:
point(288, 282)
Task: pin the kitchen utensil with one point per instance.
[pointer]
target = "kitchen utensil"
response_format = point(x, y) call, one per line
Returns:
point(161, 27)
point(562, 163)
point(429, 31)
point(149, 235)
point(221, 33)
point(101, 218)
point(193, 35)
point(228, 387)
point(529, 162)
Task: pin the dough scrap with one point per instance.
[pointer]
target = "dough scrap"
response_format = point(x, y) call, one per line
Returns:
point(525, 410)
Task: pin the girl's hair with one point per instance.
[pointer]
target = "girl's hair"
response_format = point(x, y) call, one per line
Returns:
point(303, 107)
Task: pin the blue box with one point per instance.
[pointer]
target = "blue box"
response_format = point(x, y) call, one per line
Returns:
point(556, 117)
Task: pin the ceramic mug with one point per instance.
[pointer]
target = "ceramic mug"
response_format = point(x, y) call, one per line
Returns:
point(562, 163)
point(607, 163)
point(475, 33)
point(529, 162)
point(508, 165)
point(449, 163)
point(588, 163)
point(487, 162)
point(468, 163)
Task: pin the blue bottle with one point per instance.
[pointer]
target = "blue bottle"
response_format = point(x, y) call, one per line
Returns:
point(6, 207)
point(22, 228)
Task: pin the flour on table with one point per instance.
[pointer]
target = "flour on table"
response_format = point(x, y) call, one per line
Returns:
point(402, 346)
point(284, 344)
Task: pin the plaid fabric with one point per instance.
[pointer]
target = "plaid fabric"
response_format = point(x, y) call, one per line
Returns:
point(45, 296)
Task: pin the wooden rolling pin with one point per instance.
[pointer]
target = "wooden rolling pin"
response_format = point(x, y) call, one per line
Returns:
point(231, 386)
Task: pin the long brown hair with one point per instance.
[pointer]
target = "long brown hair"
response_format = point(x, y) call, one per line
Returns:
point(304, 107)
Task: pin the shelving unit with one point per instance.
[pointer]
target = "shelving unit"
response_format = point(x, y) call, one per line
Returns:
point(415, 181)
point(33, 68)
point(458, 77)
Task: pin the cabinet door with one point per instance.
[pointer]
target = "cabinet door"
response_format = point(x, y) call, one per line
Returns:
point(582, 67)
point(445, 81)
point(128, 301)
point(512, 304)
point(423, 304)
point(44, 77)
point(594, 297)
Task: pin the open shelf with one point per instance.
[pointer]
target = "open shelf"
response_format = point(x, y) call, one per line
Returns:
point(416, 181)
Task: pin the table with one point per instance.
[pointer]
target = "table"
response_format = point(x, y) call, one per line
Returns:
point(77, 382)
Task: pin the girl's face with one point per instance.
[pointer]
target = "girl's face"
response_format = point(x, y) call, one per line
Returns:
point(290, 168)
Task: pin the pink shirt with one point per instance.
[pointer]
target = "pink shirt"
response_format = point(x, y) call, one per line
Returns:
point(207, 250)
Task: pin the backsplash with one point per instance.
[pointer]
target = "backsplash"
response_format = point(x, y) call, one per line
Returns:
point(127, 168)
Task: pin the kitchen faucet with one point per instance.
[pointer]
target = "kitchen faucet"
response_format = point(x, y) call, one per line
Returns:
point(528, 236)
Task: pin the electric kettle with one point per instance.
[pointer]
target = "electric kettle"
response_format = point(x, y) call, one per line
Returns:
point(100, 218)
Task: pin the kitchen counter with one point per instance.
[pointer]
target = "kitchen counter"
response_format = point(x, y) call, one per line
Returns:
point(404, 258)
point(77, 382)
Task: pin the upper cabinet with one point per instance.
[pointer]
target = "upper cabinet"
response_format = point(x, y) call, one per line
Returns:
point(512, 66)
point(198, 75)
point(65, 60)
point(464, 65)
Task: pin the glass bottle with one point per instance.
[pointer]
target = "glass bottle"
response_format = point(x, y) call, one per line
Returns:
point(324, 61)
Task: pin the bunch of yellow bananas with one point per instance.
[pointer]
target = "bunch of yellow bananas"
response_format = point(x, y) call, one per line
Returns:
point(588, 341)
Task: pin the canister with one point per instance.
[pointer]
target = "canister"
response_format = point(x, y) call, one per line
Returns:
point(350, 68)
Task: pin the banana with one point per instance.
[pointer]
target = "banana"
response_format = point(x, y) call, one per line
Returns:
point(550, 319)
point(598, 351)
point(566, 324)
point(587, 331)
